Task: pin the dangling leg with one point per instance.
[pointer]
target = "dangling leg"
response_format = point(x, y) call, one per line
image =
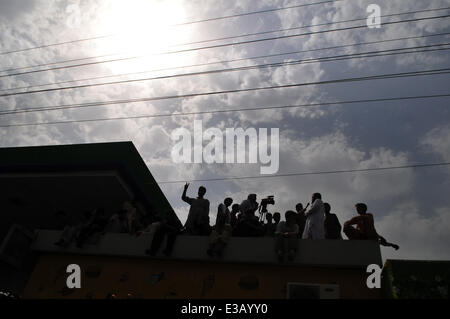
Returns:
point(158, 237)
point(292, 246)
point(384, 242)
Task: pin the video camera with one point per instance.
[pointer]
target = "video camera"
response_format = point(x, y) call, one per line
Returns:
point(269, 200)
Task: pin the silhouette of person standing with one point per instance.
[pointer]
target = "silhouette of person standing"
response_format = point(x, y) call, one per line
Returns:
point(250, 204)
point(234, 214)
point(300, 218)
point(331, 223)
point(276, 218)
point(224, 209)
point(197, 222)
point(314, 219)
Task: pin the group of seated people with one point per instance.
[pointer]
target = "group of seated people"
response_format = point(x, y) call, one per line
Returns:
point(317, 222)
point(129, 219)
point(95, 222)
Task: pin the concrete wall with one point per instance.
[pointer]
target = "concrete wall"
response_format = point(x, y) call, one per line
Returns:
point(260, 250)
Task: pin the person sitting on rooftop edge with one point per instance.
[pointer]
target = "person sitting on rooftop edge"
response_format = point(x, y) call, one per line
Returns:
point(365, 228)
point(221, 231)
point(286, 234)
point(169, 226)
point(270, 226)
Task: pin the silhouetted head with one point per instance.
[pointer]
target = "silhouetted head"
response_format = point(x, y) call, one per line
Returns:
point(276, 217)
point(290, 217)
point(235, 208)
point(327, 208)
point(299, 207)
point(228, 201)
point(269, 218)
point(201, 191)
point(361, 208)
point(315, 196)
point(252, 197)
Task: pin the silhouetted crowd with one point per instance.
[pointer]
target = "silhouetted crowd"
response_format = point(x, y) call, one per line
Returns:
point(314, 221)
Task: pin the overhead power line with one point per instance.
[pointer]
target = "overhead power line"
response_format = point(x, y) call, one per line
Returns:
point(218, 46)
point(229, 61)
point(251, 67)
point(248, 109)
point(261, 11)
point(179, 24)
point(376, 169)
point(158, 98)
point(308, 26)
point(223, 38)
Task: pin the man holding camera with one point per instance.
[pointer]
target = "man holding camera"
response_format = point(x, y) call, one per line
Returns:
point(250, 204)
point(249, 225)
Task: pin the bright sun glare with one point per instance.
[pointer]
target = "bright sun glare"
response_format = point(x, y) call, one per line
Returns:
point(143, 27)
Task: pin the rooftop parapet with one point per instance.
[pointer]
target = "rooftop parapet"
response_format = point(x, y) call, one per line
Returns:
point(254, 250)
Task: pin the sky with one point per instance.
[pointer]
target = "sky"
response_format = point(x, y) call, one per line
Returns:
point(409, 205)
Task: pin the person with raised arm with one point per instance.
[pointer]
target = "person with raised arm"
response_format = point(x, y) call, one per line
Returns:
point(197, 222)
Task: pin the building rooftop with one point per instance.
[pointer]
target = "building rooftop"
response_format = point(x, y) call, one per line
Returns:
point(37, 182)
